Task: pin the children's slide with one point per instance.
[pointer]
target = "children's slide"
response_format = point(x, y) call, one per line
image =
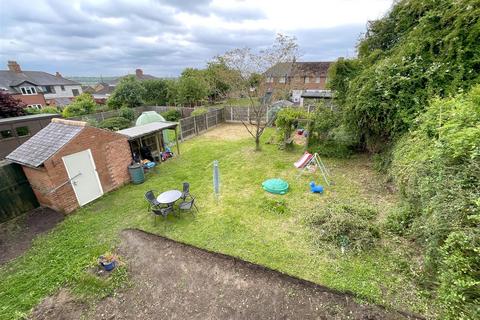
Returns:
point(303, 160)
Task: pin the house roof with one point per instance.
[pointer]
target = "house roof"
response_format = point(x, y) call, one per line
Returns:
point(299, 68)
point(10, 79)
point(44, 144)
point(146, 129)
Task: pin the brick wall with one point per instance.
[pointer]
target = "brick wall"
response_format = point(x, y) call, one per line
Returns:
point(32, 99)
point(111, 154)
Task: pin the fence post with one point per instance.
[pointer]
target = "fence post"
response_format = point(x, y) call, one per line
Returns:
point(195, 126)
point(248, 113)
point(181, 130)
point(206, 120)
point(308, 108)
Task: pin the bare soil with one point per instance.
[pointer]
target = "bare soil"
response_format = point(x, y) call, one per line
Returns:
point(177, 281)
point(229, 132)
point(16, 235)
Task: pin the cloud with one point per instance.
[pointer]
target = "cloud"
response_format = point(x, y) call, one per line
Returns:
point(93, 37)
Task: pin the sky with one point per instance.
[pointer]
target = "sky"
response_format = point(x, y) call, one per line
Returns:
point(114, 37)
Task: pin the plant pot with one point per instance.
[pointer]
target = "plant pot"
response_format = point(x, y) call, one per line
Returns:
point(109, 266)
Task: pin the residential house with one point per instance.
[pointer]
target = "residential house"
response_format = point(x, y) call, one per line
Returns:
point(36, 89)
point(301, 79)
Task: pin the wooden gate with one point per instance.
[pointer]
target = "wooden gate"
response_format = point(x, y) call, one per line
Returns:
point(16, 195)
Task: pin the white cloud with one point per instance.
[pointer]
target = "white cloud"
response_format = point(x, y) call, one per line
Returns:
point(109, 37)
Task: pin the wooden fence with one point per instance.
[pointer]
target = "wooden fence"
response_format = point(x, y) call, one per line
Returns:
point(16, 195)
point(193, 126)
point(239, 114)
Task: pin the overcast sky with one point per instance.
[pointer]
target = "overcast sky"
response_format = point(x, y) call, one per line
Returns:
point(114, 37)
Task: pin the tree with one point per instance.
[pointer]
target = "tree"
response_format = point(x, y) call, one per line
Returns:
point(220, 78)
point(192, 87)
point(249, 66)
point(156, 91)
point(82, 104)
point(10, 106)
point(128, 93)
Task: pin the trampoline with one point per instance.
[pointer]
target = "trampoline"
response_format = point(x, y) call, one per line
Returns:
point(277, 186)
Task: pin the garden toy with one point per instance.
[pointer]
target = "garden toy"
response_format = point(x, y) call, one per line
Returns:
point(315, 188)
point(308, 160)
point(277, 186)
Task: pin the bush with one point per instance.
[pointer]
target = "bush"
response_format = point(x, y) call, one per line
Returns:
point(328, 136)
point(287, 120)
point(437, 170)
point(127, 113)
point(345, 224)
point(115, 123)
point(199, 111)
point(81, 105)
point(172, 115)
point(50, 110)
point(399, 219)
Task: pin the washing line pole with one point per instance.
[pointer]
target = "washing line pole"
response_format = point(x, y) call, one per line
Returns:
point(216, 179)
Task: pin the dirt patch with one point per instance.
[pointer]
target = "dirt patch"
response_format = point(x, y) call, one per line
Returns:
point(60, 306)
point(177, 281)
point(230, 131)
point(16, 235)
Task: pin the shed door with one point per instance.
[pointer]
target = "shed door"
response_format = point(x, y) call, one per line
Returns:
point(83, 174)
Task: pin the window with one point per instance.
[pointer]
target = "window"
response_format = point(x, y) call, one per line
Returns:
point(317, 80)
point(62, 87)
point(5, 134)
point(75, 92)
point(22, 131)
point(35, 106)
point(306, 80)
point(28, 90)
point(49, 89)
point(282, 79)
point(270, 79)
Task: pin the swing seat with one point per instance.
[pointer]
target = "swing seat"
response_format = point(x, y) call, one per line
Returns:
point(302, 162)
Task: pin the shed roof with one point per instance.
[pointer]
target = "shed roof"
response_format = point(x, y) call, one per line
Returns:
point(146, 129)
point(28, 117)
point(44, 144)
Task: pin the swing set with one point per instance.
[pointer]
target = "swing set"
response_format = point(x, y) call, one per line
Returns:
point(309, 160)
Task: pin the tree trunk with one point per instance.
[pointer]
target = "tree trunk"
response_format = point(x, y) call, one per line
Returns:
point(257, 143)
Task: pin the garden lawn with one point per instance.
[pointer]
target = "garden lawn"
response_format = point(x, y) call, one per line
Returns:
point(241, 223)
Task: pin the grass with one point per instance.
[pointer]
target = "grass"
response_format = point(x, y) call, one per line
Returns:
point(240, 224)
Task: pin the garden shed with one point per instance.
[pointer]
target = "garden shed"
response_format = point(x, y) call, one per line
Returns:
point(70, 164)
point(152, 136)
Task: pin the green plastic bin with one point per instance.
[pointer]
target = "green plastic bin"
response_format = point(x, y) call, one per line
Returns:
point(136, 173)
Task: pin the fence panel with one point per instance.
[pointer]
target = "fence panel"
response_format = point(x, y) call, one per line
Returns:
point(16, 195)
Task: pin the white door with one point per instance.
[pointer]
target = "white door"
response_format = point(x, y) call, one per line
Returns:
point(83, 174)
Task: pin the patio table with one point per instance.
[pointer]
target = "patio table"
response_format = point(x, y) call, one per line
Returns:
point(169, 196)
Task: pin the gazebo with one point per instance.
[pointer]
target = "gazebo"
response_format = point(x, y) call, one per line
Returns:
point(150, 135)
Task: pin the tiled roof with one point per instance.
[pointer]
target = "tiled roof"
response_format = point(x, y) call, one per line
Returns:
point(10, 79)
point(39, 148)
point(299, 68)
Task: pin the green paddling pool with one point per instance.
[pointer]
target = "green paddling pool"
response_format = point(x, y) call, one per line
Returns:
point(277, 186)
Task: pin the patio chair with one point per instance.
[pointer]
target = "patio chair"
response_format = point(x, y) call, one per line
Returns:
point(186, 191)
point(162, 212)
point(152, 200)
point(187, 205)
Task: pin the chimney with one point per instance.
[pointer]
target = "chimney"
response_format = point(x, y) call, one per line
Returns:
point(58, 75)
point(14, 66)
point(139, 73)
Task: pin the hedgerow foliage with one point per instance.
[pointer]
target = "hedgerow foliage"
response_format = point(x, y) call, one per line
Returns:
point(404, 96)
point(421, 49)
point(437, 169)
